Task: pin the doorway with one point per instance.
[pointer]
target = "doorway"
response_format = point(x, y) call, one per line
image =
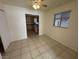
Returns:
point(1, 47)
point(32, 23)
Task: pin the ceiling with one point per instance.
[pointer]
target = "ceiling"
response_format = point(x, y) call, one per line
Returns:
point(28, 3)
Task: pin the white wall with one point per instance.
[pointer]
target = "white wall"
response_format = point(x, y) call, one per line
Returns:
point(0, 56)
point(68, 36)
point(17, 21)
point(4, 33)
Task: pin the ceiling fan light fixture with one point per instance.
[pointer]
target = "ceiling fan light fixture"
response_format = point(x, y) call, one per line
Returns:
point(36, 6)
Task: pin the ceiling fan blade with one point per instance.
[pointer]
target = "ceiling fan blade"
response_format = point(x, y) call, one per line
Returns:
point(44, 5)
point(41, 0)
point(37, 0)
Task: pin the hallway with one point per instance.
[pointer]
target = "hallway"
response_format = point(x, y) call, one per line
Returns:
point(39, 47)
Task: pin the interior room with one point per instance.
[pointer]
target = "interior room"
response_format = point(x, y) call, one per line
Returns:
point(38, 29)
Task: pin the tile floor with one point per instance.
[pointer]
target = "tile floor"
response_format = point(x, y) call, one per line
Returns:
point(41, 47)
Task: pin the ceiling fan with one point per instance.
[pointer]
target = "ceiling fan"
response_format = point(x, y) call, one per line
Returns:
point(38, 3)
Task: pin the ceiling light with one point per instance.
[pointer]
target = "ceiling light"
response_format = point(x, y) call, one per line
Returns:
point(36, 6)
point(38, 3)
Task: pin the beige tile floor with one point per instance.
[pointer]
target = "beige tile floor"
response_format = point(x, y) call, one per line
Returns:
point(41, 47)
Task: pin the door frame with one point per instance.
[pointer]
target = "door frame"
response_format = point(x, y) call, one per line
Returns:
point(26, 22)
